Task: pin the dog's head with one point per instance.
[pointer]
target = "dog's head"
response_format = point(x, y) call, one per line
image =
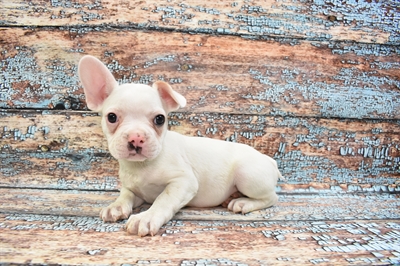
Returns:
point(134, 116)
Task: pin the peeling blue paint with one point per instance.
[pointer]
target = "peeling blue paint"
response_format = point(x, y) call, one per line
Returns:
point(377, 165)
point(44, 84)
point(66, 162)
point(364, 14)
point(351, 93)
point(309, 20)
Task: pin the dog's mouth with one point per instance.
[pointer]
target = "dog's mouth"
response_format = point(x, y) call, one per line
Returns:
point(135, 153)
point(132, 147)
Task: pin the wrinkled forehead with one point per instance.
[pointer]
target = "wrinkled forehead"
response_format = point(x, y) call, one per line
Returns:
point(133, 97)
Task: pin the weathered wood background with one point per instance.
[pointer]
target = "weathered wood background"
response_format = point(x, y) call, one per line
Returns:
point(314, 84)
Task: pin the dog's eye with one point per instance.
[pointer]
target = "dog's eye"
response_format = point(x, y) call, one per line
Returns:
point(112, 118)
point(159, 120)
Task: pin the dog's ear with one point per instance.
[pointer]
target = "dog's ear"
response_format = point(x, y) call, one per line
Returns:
point(97, 81)
point(171, 99)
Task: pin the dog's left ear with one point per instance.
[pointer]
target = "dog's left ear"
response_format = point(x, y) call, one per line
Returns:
point(171, 99)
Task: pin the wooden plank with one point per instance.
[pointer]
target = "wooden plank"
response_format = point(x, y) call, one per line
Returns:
point(66, 150)
point(291, 79)
point(291, 207)
point(215, 73)
point(69, 240)
point(366, 21)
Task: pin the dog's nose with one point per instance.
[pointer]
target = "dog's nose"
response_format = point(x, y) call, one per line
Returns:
point(136, 139)
point(135, 142)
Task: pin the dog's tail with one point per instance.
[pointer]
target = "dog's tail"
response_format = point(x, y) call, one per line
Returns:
point(280, 176)
point(279, 173)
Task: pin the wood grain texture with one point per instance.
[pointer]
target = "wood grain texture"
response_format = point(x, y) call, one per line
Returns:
point(224, 73)
point(66, 150)
point(364, 21)
point(314, 84)
point(72, 239)
point(62, 227)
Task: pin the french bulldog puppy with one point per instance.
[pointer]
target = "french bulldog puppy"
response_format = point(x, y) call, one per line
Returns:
point(165, 168)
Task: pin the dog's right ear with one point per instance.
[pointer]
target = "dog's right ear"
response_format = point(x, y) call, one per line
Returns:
point(97, 81)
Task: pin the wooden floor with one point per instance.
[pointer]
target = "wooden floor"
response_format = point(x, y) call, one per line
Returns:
point(62, 227)
point(314, 84)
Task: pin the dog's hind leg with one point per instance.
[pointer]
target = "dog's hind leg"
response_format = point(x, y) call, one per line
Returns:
point(256, 179)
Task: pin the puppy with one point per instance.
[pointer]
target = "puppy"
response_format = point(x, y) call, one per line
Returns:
point(163, 167)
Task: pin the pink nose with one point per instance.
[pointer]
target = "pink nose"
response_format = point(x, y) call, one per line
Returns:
point(136, 139)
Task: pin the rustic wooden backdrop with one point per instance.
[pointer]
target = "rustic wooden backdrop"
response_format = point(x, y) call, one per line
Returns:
point(314, 84)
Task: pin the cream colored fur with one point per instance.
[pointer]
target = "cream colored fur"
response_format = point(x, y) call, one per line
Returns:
point(165, 168)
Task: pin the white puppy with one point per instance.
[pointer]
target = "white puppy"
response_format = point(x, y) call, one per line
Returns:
point(166, 168)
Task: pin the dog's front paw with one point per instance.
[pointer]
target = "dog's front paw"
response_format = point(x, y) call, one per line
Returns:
point(144, 223)
point(115, 211)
